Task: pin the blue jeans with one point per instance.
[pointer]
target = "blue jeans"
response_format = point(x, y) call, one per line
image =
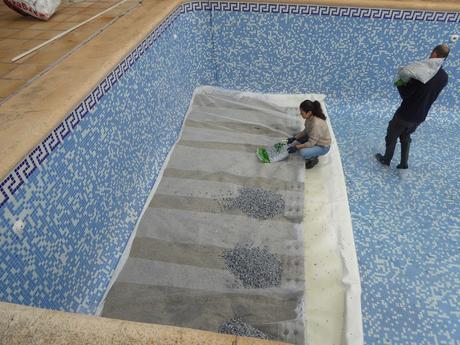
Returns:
point(314, 151)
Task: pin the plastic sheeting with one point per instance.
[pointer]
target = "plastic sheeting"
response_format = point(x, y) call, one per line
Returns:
point(178, 273)
point(333, 293)
point(222, 238)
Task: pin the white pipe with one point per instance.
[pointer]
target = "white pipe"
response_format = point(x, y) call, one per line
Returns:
point(65, 32)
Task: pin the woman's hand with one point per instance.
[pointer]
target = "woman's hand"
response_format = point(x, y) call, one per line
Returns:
point(291, 140)
point(292, 149)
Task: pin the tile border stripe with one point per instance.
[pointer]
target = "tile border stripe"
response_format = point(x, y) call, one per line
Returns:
point(323, 10)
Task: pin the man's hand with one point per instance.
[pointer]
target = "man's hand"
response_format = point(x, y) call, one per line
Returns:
point(290, 140)
point(292, 149)
point(400, 82)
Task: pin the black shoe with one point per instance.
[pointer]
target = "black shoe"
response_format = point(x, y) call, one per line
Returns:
point(310, 163)
point(402, 166)
point(382, 159)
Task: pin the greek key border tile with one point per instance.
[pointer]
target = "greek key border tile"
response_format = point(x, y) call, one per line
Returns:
point(322, 10)
point(15, 179)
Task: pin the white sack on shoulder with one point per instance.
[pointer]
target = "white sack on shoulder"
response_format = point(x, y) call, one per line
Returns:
point(422, 70)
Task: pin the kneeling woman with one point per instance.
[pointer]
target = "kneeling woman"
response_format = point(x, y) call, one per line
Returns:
point(315, 139)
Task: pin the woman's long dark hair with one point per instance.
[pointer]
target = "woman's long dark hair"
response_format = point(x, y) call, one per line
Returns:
point(314, 107)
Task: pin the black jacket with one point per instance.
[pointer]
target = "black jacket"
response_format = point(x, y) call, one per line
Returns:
point(417, 97)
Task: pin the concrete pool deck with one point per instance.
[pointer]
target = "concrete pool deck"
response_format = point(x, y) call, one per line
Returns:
point(26, 325)
point(18, 34)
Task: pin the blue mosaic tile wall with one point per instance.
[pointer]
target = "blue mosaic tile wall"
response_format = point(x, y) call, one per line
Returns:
point(406, 223)
point(80, 193)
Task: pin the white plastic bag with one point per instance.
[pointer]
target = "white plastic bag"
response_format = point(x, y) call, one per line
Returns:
point(422, 70)
point(41, 9)
point(275, 153)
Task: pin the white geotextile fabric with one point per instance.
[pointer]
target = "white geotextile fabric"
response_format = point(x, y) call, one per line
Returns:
point(319, 315)
point(348, 328)
point(177, 271)
point(335, 235)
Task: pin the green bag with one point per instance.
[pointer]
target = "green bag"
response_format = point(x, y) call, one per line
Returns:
point(274, 153)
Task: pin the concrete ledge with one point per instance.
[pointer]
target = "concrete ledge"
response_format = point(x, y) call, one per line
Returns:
point(26, 325)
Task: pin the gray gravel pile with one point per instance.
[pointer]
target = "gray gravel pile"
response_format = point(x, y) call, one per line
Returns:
point(255, 267)
point(238, 327)
point(256, 203)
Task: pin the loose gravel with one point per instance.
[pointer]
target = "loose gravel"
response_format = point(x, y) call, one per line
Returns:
point(239, 327)
point(255, 267)
point(256, 203)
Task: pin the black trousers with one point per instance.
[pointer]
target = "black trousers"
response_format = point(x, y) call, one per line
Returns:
point(399, 128)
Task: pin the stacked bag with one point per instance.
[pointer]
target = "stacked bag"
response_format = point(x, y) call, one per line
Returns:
point(40, 9)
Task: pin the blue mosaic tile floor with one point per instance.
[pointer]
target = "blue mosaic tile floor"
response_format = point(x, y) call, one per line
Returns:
point(406, 224)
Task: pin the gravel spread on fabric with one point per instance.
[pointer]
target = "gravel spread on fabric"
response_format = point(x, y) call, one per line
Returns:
point(255, 267)
point(256, 203)
point(239, 327)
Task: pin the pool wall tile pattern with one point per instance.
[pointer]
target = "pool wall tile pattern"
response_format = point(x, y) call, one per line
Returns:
point(80, 192)
point(102, 161)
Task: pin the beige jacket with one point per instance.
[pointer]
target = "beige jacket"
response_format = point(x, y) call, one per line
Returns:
point(317, 131)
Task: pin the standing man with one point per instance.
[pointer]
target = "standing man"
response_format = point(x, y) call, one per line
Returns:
point(419, 85)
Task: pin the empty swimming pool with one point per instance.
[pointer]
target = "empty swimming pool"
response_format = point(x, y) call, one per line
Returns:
point(80, 192)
